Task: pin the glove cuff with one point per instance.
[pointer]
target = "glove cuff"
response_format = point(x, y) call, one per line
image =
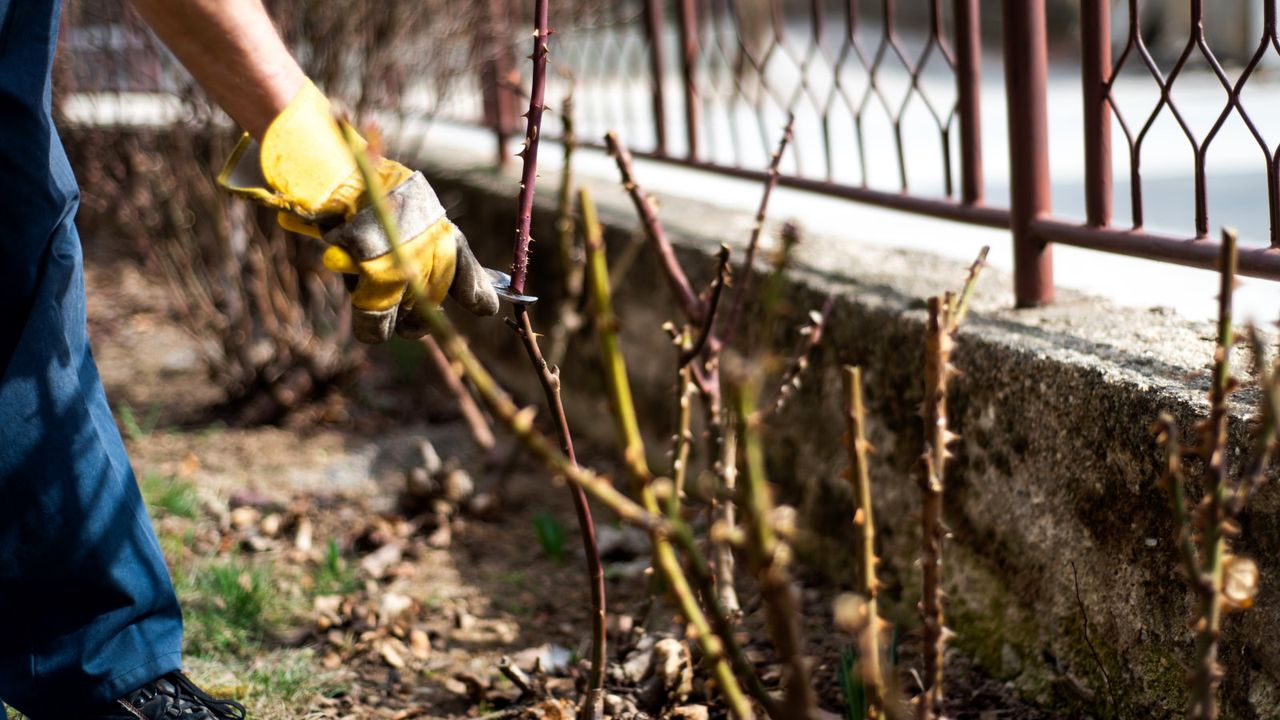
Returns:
point(414, 208)
point(305, 158)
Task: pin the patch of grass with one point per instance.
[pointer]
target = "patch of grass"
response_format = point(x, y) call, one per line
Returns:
point(226, 608)
point(335, 576)
point(271, 684)
point(133, 429)
point(851, 685)
point(551, 535)
point(170, 494)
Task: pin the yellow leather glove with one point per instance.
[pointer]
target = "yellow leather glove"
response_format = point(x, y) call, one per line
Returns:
point(304, 169)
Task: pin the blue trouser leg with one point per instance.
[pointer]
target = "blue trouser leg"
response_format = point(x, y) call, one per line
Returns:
point(87, 610)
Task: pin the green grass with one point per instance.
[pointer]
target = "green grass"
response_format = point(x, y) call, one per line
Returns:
point(275, 684)
point(551, 535)
point(852, 686)
point(335, 575)
point(133, 428)
point(170, 494)
point(228, 608)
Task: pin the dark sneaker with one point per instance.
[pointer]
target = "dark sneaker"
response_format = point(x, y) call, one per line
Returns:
point(172, 697)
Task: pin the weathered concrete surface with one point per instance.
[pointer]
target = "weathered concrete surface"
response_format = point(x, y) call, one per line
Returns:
point(1055, 475)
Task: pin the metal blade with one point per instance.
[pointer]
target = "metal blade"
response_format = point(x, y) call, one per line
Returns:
point(502, 286)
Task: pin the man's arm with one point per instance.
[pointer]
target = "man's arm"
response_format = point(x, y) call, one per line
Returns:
point(234, 52)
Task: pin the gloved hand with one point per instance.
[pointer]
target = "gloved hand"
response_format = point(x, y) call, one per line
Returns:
point(305, 169)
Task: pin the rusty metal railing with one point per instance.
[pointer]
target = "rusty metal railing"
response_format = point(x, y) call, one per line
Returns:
point(888, 94)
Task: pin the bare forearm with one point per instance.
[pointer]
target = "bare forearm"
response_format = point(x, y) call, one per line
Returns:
point(233, 51)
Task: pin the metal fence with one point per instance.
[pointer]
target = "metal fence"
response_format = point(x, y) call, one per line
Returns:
point(891, 106)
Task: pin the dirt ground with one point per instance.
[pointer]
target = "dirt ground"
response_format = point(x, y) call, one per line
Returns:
point(329, 569)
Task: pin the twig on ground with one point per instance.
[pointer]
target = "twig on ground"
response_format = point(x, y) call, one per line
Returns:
point(859, 476)
point(689, 303)
point(477, 423)
point(517, 677)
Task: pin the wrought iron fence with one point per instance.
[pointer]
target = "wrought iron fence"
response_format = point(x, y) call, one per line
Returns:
point(891, 113)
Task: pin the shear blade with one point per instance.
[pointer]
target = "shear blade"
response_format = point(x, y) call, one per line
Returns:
point(502, 286)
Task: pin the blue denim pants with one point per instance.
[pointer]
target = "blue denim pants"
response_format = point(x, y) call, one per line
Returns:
point(87, 610)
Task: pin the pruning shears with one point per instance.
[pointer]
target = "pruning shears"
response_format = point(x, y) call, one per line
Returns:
point(502, 286)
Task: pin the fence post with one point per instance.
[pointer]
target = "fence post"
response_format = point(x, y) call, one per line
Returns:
point(688, 20)
point(495, 68)
point(1095, 70)
point(655, 28)
point(968, 92)
point(1026, 74)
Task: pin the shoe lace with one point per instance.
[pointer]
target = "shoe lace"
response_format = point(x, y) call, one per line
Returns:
point(222, 709)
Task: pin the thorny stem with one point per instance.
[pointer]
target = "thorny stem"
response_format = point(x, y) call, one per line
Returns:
point(569, 319)
point(770, 557)
point(687, 355)
point(529, 154)
point(593, 705)
point(519, 422)
point(1174, 481)
point(1254, 475)
point(771, 181)
point(689, 303)
point(726, 514)
point(859, 476)
point(966, 292)
point(938, 370)
point(628, 426)
point(945, 314)
point(800, 362)
point(1211, 516)
point(684, 435)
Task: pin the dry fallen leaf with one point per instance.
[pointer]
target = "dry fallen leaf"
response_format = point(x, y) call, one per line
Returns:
point(419, 644)
point(392, 652)
point(1239, 582)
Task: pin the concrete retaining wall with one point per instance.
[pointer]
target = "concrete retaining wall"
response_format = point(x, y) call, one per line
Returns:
point(1057, 465)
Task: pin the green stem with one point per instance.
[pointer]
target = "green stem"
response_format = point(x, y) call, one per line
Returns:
point(628, 426)
point(859, 475)
point(770, 558)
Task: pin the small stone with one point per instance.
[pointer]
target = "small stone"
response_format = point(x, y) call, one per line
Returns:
point(302, 539)
point(270, 525)
point(419, 644)
point(457, 486)
point(244, 517)
point(622, 543)
point(441, 537)
point(691, 712)
point(378, 562)
point(428, 458)
point(393, 605)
